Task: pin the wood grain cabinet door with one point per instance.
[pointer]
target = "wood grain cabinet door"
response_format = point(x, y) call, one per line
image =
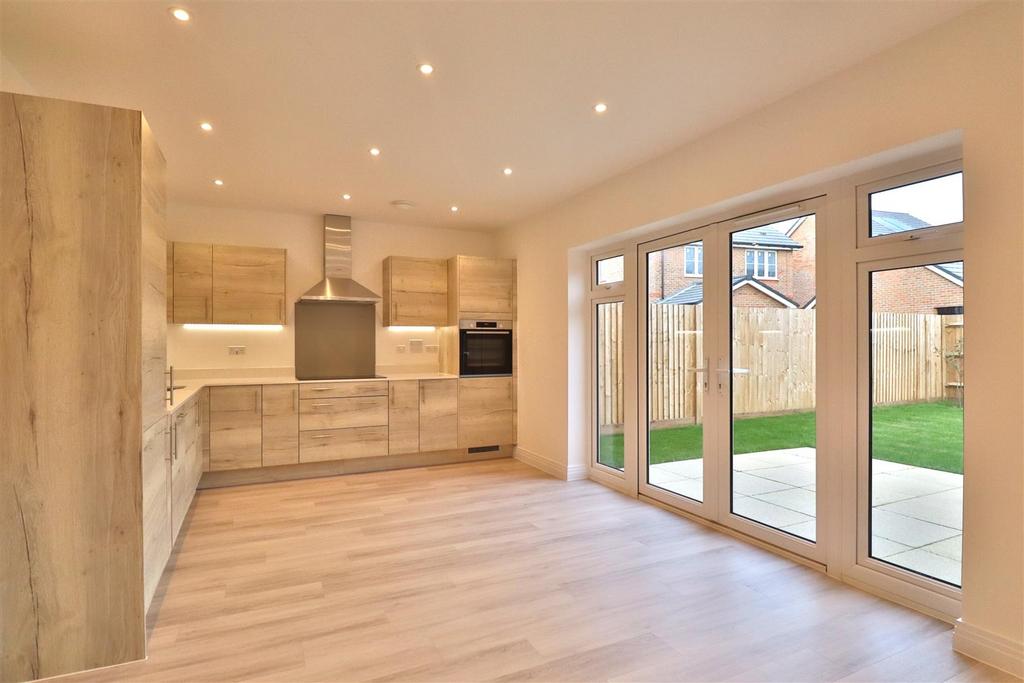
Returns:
point(403, 417)
point(192, 282)
point(486, 287)
point(236, 427)
point(415, 291)
point(248, 285)
point(439, 414)
point(280, 424)
point(186, 462)
point(156, 505)
point(486, 412)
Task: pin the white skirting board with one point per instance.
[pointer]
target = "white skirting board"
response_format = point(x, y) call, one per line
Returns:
point(990, 648)
point(558, 470)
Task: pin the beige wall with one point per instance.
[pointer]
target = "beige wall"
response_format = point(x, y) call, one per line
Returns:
point(962, 75)
point(300, 234)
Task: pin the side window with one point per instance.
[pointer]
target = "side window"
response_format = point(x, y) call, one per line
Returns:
point(912, 205)
point(693, 261)
point(609, 271)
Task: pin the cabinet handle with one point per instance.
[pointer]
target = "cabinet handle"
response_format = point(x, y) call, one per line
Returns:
point(320, 388)
point(256, 401)
point(510, 390)
point(295, 399)
point(391, 394)
point(174, 441)
point(320, 436)
point(206, 309)
point(322, 405)
point(423, 399)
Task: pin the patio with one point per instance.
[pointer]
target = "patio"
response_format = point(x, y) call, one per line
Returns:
point(917, 517)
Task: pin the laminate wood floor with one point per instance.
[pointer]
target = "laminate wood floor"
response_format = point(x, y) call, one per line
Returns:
point(493, 570)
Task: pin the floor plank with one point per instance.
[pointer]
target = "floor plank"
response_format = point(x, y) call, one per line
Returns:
point(494, 571)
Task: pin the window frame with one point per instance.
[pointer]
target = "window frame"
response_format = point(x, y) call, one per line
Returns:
point(920, 175)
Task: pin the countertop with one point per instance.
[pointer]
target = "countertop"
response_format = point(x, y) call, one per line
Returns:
point(194, 384)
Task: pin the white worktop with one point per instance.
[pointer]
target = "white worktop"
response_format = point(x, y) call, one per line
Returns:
point(193, 382)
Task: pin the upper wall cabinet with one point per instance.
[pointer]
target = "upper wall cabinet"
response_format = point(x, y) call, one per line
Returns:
point(481, 287)
point(215, 283)
point(415, 291)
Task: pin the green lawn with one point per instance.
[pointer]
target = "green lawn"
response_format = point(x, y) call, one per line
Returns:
point(924, 434)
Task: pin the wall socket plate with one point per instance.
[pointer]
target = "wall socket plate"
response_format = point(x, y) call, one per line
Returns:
point(416, 346)
point(236, 350)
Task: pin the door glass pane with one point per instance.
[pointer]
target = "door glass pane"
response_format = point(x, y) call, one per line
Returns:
point(675, 373)
point(917, 418)
point(610, 270)
point(609, 384)
point(937, 201)
point(773, 365)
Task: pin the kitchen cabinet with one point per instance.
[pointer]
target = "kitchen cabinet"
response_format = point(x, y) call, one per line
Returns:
point(340, 413)
point(415, 291)
point(191, 282)
point(342, 444)
point(280, 424)
point(343, 389)
point(236, 427)
point(248, 284)
point(481, 288)
point(157, 537)
point(403, 417)
point(486, 411)
point(217, 283)
point(186, 462)
point(438, 414)
point(204, 426)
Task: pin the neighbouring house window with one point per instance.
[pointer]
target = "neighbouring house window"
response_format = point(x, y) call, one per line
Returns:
point(610, 270)
point(762, 263)
point(693, 262)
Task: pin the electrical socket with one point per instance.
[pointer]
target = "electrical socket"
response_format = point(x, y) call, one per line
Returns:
point(400, 348)
point(236, 350)
point(431, 348)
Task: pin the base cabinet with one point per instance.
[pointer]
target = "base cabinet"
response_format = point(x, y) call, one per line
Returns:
point(186, 462)
point(486, 412)
point(342, 444)
point(439, 414)
point(280, 424)
point(403, 417)
point(156, 505)
point(236, 427)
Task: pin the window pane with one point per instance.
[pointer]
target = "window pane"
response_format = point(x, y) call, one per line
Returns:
point(609, 384)
point(610, 270)
point(773, 374)
point(750, 263)
point(924, 204)
point(675, 375)
point(917, 418)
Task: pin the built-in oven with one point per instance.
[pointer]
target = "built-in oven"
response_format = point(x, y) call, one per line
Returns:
point(485, 348)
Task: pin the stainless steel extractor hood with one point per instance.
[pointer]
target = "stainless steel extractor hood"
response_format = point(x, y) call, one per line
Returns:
point(337, 283)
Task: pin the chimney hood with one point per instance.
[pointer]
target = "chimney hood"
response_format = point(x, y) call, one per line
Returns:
point(337, 284)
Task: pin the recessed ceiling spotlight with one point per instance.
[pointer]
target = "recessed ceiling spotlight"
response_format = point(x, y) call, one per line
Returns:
point(600, 107)
point(374, 152)
point(206, 126)
point(218, 182)
point(180, 13)
point(346, 196)
point(454, 209)
point(507, 171)
point(425, 69)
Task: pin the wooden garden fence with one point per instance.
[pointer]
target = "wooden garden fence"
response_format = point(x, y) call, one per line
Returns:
point(915, 357)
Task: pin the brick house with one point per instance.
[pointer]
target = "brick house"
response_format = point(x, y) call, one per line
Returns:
point(773, 267)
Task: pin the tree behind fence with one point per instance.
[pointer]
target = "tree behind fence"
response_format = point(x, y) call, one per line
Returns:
point(915, 358)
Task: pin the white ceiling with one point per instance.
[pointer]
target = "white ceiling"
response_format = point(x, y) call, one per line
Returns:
point(299, 91)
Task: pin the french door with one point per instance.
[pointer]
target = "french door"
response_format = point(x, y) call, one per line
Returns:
point(727, 361)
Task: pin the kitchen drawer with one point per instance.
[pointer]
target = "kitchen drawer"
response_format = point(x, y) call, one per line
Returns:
point(340, 413)
point(343, 389)
point(342, 444)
